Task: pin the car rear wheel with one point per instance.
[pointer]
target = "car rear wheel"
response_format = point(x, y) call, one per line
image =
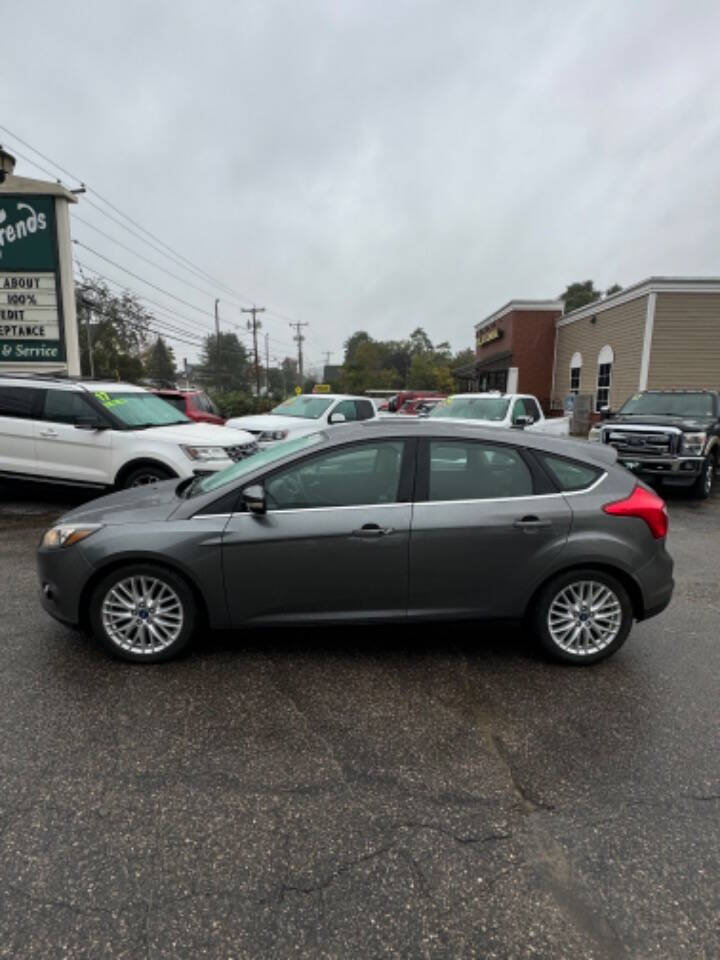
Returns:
point(582, 616)
point(143, 613)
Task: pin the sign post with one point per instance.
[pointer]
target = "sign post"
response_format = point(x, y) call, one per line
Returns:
point(38, 323)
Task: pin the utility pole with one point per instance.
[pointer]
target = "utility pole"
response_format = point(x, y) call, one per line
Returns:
point(267, 364)
point(91, 354)
point(254, 327)
point(217, 340)
point(298, 338)
point(327, 354)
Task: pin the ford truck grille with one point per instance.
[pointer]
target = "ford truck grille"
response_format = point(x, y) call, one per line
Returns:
point(634, 443)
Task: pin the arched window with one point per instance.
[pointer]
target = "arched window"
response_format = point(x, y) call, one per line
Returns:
point(575, 371)
point(604, 378)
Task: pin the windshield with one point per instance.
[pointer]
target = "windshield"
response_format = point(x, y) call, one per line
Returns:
point(140, 409)
point(260, 459)
point(304, 406)
point(670, 404)
point(472, 408)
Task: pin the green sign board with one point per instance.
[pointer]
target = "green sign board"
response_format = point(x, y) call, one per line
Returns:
point(27, 232)
point(31, 327)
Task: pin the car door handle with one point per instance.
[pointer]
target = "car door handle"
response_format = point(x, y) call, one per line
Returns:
point(48, 433)
point(531, 523)
point(370, 531)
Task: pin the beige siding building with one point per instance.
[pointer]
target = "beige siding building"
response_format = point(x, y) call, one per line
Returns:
point(661, 333)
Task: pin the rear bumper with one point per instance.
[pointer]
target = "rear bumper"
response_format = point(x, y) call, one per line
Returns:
point(656, 584)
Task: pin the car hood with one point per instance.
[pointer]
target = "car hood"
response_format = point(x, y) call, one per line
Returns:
point(268, 422)
point(196, 434)
point(137, 505)
point(686, 424)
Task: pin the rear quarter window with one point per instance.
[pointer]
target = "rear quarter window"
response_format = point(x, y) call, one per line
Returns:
point(570, 474)
point(19, 402)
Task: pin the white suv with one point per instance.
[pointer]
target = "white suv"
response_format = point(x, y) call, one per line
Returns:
point(105, 434)
point(303, 414)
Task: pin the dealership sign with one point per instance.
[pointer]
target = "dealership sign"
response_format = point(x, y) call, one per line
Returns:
point(488, 336)
point(31, 320)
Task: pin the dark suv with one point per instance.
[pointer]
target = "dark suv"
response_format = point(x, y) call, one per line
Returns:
point(668, 436)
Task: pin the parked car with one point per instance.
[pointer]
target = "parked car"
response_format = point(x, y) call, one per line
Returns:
point(384, 520)
point(303, 414)
point(195, 404)
point(413, 408)
point(667, 436)
point(396, 403)
point(501, 410)
point(95, 434)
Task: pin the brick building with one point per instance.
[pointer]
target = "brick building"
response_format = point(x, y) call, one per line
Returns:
point(514, 350)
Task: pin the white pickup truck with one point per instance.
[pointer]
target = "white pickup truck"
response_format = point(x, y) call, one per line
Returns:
point(500, 410)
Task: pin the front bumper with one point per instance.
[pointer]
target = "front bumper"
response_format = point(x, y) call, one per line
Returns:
point(677, 471)
point(63, 575)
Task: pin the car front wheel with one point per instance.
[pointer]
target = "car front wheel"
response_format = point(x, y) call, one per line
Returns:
point(582, 616)
point(702, 488)
point(143, 613)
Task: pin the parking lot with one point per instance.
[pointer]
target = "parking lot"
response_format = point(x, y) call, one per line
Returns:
point(418, 792)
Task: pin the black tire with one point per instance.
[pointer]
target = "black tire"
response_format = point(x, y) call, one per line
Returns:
point(144, 475)
point(552, 591)
point(140, 649)
point(702, 488)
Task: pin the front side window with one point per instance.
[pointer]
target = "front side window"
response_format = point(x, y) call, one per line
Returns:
point(493, 409)
point(140, 410)
point(263, 458)
point(465, 470)
point(304, 406)
point(347, 409)
point(177, 402)
point(67, 406)
point(367, 473)
point(365, 409)
point(18, 402)
point(526, 407)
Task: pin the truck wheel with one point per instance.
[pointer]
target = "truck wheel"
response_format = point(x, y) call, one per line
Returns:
point(702, 488)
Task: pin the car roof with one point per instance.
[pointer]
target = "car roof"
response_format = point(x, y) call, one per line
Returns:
point(449, 429)
point(330, 396)
point(173, 392)
point(70, 383)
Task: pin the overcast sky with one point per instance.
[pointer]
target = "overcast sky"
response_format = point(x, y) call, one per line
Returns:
point(380, 165)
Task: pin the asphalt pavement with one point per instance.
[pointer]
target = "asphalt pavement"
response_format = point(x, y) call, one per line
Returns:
point(360, 793)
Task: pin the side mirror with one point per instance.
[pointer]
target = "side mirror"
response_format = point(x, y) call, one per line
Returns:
point(523, 421)
point(89, 423)
point(254, 498)
point(337, 418)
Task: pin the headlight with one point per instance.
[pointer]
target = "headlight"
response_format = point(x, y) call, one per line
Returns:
point(205, 453)
point(273, 434)
point(66, 534)
point(595, 435)
point(693, 443)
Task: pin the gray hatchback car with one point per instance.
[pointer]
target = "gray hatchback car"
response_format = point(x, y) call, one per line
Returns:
point(377, 521)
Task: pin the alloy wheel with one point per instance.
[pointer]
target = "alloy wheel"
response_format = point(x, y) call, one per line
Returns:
point(584, 617)
point(142, 615)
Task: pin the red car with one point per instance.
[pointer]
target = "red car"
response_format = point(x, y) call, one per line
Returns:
point(195, 404)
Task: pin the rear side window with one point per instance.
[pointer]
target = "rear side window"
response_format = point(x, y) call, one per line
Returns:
point(18, 402)
point(365, 409)
point(569, 474)
point(465, 470)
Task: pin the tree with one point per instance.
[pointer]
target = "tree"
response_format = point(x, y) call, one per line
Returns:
point(160, 362)
point(224, 363)
point(615, 288)
point(420, 342)
point(117, 329)
point(462, 360)
point(579, 294)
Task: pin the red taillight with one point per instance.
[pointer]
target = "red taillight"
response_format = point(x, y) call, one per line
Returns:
point(646, 505)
